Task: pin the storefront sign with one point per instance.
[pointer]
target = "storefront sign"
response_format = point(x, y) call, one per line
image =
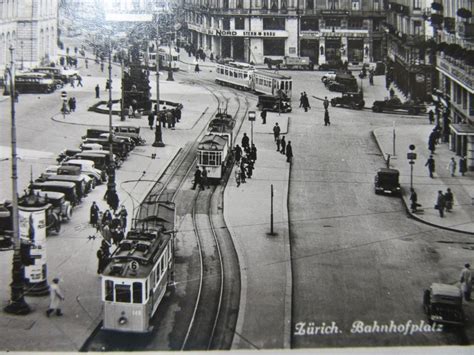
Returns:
point(243, 33)
point(334, 12)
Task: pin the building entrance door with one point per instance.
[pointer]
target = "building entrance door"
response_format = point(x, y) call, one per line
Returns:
point(333, 53)
point(239, 49)
point(309, 48)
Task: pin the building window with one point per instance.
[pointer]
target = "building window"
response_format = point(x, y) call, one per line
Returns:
point(355, 22)
point(273, 5)
point(309, 24)
point(274, 47)
point(239, 23)
point(309, 4)
point(239, 4)
point(273, 23)
point(355, 5)
point(226, 23)
point(417, 28)
point(417, 4)
point(225, 4)
point(333, 4)
point(333, 22)
point(265, 4)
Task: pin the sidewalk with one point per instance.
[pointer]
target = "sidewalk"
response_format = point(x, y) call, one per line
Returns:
point(264, 259)
point(461, 219)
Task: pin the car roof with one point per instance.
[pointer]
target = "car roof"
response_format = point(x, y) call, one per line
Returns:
point(438, 289)
point(389, 171)
point(53, 195)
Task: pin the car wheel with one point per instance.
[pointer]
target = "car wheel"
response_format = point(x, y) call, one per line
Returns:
point(57, 227)
point(361, 105)
point(333, 103)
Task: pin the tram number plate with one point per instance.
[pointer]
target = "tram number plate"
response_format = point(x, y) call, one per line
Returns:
point(137, 312)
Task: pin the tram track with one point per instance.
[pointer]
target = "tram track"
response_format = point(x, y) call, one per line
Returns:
point(167, 188)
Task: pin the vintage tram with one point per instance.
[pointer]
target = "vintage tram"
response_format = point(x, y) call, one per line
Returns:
point(245, 77)
point(140, 270)
point(166, 56)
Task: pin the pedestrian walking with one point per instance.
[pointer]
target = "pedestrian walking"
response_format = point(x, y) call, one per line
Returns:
point(107, 217)
point(326, 103)
point(197, 178)
point(107, 85)
point(102, 260)
point(86, 61)
point(430, 163)
point(283, 145)
point(243, 172)
point(276, 131)
point(431, 116)
point(94, 214)
point(106, 232)
point(196, 68)
point(72, 104)
point(56, 296)
point(170, 119)
point(250, 168)
point(289, 152)
point(263, 115)
point(440, 203)
point(414, 200)
point(452, 166)
point(237, 173)
point(392, 93)
point(326, 118)
point(130, 111)
point(72, 81)
point(122, 215)
point(151, 119)
point(97, 92)
point(432, 142)
point(449, 199)
point(278, 141)
point(237, 153)
point(462, 165)
point(102, 66)
point(79, 81)
point(253, 153)
point(466, 281)
point(204, 180)
point(301, 100)
point(306, 105)
point(245, 141)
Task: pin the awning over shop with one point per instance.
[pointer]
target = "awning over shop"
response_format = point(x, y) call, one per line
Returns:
point(462, 129)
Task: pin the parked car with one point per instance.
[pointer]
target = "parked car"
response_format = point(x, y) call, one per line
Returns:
point(387, 182)
point(6, 224)
point(343, 82)
point(330, 75)
point(100, 160)
point(82, 187)
point(67, 153)
point(86, 166)
point(60, 209)
point(273, 103)
point(130, 131)
point(119, 147)
point(71, 171)
point(34, 83)
point(395, 105)
point(442, 304)
point(106, 154)
point(353, 100)
point(66, 187)
point(57, 74)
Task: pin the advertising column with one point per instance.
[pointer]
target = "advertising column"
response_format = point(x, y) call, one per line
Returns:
point(33, 231)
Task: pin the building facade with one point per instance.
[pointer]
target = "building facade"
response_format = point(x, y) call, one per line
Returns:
point(324, 30)
point(31, 27)
point(411, 59)
point(455, 66)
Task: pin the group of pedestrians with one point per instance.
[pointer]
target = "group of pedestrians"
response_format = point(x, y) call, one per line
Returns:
point(166, 116)
point(444, 202)
point(282, 146)
point(200, 178)
point(112, 228)
point(245, 158)
point(304, 102)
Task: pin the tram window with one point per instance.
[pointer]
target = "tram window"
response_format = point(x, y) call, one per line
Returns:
point(212, 158)
point(162, 264)
point(245, 75)
point(156, 275)
point(109, 290)
point(226, 71)
point(205, 158)
point(282, 85)
point(146, 288)
point(137, 292)
point(218, 158)
point(235, 74)
point(158, 272)
point(123, 294)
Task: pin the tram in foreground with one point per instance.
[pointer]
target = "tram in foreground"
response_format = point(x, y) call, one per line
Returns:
point(245, 77)
point(140, 270)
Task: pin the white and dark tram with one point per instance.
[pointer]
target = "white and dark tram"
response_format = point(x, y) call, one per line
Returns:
point(213, 153)
point(140, 269)
point(165, 54)
point(246, 77)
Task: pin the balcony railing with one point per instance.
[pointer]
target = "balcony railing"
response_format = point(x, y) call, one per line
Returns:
point(457, 69)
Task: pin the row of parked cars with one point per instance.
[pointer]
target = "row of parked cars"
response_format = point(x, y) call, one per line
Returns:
point(43, 79)
point(77, 173)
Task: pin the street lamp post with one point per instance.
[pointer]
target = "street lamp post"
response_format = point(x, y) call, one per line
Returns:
point(170, 69)
point(252, 116)
point(158, 134)
point(111, 194)
point(411, 156)
point(17, 304)
point(21, 45)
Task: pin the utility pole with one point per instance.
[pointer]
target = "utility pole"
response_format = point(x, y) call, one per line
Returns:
point(158, 134)
point(17, 304)
point(170, 69)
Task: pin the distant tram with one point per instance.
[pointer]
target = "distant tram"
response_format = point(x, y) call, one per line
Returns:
point(164, 55)
point(140, 269)
point(245, 77)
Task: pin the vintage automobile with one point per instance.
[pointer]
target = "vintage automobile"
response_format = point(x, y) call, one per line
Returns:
point(343, 82)
point(442, 304)
point(61, 206)
point(273, 103)
point(82, 186)
point(106, 154)
point(75, 171)
point(91, 146)
point(396, 105)
point(67, 153)
point(66, 187)
point(120, 147)
point(88, 168)
point(353, 100)
point(93, 133)
point(387, 182)
point(100, 160)
point(6, 224)
point(130, 131)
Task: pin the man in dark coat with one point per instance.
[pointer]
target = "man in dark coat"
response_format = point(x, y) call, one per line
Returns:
point(122, 215)
point(263, 115)
point(276, 131)
point(237, 152)
point(289, 152)
point(462, 165)
point(97, 92)
point(430, 163)
point(253, 152)
point(204, 181)
point(441, 203)
point(151, 119)
point(283, 145)
point(326, 118)
point(326, 103)
point(94, 214)
point(305, 102)
point(245, 141)
point(197, 178)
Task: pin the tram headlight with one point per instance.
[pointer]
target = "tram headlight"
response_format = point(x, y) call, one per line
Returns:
point(122, 320)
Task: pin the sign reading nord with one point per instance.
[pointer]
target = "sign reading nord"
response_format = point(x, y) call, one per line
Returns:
point(242, 33)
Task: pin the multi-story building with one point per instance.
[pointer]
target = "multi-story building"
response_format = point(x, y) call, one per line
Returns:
point(455, 65)
point(324, 30)
point(31, 27)
point(408, 35)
